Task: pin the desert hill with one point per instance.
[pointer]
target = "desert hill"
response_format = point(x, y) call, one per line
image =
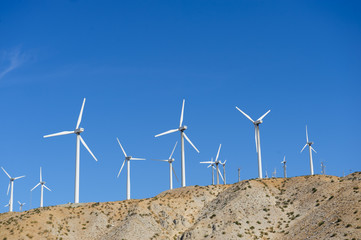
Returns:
point(307, 207)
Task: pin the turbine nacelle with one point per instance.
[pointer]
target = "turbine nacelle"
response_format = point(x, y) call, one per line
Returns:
point(78, 130)
point(182, 128)
point(309, 143)
point(128, 157)
point(258, 122)
point(170, 160)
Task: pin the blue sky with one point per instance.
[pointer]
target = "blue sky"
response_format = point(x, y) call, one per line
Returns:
point(135, 61)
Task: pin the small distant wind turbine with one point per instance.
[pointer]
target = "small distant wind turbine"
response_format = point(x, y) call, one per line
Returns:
point(211, 164)
point(239, 174)
point(11, 186)
point(323, 172)
point(21, 206)
point(79, 139)
point(171, 169)
point(284, 166)
point(310, 148)
point(257, 138)
point(42, 183)
point(181, 129)
point(224, 171)
point(216, 162)
point(127, 159)
point(274, 174)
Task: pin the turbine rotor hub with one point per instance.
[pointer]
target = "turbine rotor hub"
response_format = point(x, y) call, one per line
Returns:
point(258, 122)
point(128, 158)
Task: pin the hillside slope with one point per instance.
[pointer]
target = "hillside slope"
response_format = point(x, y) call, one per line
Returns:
point(313, 207)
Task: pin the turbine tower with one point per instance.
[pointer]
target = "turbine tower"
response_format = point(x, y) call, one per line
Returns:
point(257, 138)
point(284, 166)
point(11, 187)
point(171, 169)
point(216, 162)
point(21, 206)
point(181, 129)
point(79, 139)
point(42, 183)
point(127, 159)
point(310, 148)
point(224, 171)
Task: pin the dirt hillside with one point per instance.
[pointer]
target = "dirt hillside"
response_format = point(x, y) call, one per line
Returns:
point(307, 207)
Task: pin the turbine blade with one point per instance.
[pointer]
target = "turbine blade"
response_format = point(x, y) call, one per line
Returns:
point(209, 165)
point(313, 149)
point(304, 147)
point(167, 132)
point(121, 168)
point(6, 172)
point(173, 150)
point(87, 148)
point(47, 188)
point(137, 158)
point(207, 162)
point(40, 176)
point(19, 202)
point(181, 118)
point(264, 115)
point(18, 177)
point(190, 142)
point(174, 173)
point(219, 149)
point(219, 171)
point(34, 187)
point(59, 134)
point(125, 155)
point(245, 115)
point(224, 163)
point(159, 160)
point(80, 115)
point(7, 193)
point(306, 134)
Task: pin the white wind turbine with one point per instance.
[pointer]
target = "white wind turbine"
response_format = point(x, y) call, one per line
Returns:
point(181, 129)
point(211, 164)
point(284, 166)
point(11, 186)
point(127, 159)
point(310, 148)
point(42, 183)
point(257, 138)
point(171, 169)
point(79, 139)
point(216, 162)
point(224, 171)
point(21, 206)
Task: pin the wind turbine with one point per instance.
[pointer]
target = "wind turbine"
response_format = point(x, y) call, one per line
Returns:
point(42, 183)
point(239, 174)
point(274, 174)
point(170, 160)
point(310, 148)
point(181, 129)
point(21, 206)
point(211, 164)
point(257, 138)
point(224, 171)
point(323, 172)
point(127, 159)
point(11, 186)
point(216, 162)
point(284, 166)
point(79, 139)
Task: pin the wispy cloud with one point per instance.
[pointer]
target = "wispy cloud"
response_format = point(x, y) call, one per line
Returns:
point(10, 60)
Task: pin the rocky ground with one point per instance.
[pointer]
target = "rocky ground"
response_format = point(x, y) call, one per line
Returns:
point(307, 207)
